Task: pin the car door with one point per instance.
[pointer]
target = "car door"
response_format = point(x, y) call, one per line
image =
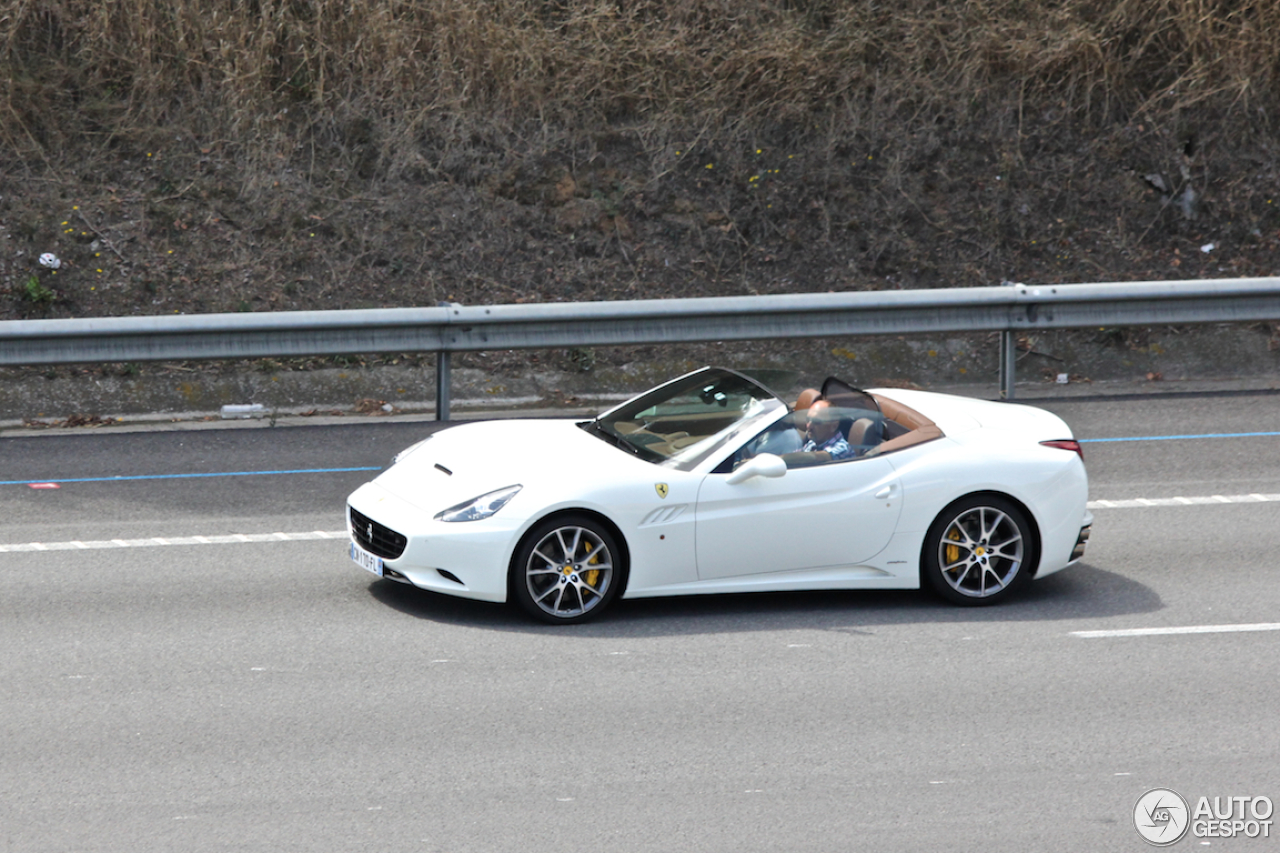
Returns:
point(827, 516)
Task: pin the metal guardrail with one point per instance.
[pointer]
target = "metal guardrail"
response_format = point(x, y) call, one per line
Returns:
point(446, 329)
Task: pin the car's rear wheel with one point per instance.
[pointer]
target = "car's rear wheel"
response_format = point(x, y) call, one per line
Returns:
point(566, 570)
point(978, 550)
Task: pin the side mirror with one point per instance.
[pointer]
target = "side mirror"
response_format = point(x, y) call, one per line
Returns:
point(764, 465)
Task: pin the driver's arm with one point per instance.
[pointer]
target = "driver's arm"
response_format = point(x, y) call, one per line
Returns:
point(806, 458)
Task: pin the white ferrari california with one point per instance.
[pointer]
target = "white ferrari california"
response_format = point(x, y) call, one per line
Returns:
point(711, 483)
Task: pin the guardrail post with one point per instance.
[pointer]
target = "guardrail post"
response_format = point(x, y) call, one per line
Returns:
point(1008, 364)
point(442, 385)
point(1008, 357)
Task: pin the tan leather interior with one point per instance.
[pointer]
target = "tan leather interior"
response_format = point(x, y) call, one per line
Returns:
point(806, 399)
point(895, 411)
point(921, 429)
point(858, 430)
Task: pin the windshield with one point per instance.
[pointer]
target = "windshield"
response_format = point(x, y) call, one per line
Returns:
point(682, 422)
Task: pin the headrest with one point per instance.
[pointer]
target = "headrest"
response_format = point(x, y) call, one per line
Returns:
point(807, 398)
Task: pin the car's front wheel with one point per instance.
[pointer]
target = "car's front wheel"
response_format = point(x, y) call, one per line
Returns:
point(979, 550)
point(567, 569)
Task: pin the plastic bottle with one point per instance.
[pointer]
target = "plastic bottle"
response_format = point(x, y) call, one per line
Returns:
point(257, 410)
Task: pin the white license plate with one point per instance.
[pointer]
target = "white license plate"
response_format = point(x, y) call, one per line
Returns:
point(365, 560)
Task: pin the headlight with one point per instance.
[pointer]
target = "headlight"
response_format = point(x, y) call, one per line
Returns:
point(481, 507)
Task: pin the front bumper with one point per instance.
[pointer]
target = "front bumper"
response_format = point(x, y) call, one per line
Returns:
point(468, 559)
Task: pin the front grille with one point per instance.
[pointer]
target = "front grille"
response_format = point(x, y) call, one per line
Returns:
point(374, 537)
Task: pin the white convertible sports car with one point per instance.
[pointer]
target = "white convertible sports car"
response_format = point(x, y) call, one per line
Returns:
point(711, 483)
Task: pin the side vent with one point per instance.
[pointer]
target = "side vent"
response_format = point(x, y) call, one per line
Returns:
point(664, 515)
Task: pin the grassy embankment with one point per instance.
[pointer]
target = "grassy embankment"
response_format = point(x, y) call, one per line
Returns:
point(186, 155)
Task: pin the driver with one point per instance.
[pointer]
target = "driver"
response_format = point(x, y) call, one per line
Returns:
point(823, 432)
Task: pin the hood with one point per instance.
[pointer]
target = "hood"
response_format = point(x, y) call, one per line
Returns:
point(465, 461)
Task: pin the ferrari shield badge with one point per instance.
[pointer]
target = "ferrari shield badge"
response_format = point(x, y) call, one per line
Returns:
point(662, 489)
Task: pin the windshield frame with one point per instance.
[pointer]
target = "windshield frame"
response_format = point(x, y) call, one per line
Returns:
point(629, 425)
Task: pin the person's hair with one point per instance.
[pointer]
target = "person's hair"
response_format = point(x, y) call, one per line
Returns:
point(825, 414)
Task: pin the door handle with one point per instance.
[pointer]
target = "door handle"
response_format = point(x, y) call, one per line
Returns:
point(884, 493)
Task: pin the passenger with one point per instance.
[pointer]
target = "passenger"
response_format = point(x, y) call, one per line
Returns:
point(823, 432)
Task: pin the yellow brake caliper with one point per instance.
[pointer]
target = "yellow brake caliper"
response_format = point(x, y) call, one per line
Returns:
point(953, 551)
point(592, 574)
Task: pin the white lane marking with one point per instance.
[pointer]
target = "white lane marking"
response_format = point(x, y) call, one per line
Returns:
point(231, 539)
point(1132, 503)
point(1188, 629)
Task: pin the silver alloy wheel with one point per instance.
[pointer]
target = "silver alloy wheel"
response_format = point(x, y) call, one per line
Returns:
point(569, 571)
point(980, 552)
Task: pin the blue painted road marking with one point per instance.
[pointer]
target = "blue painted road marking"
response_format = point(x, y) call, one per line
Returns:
point(126, 478)
point(122, 479)
point(1180, 437)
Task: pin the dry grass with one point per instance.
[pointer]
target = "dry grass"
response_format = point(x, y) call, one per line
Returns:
point(270, 75)
point(314, 154)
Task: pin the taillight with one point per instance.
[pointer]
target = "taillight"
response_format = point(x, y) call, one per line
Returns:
point(1066, 444)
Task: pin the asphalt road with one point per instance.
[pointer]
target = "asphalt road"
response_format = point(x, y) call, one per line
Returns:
point(250, 695)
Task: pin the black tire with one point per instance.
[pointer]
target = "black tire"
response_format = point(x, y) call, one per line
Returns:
point(979, 550)
point(567, 569)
